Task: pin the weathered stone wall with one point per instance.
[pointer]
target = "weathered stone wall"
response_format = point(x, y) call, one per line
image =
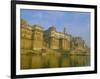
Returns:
point(54, 43)
point(26, 46)
point(31, 39)
point(26, 38)
point(37, 39)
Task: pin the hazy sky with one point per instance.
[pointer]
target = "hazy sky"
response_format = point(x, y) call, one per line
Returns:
point(76, 23)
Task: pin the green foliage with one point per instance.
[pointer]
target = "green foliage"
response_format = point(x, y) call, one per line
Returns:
point(23, 21)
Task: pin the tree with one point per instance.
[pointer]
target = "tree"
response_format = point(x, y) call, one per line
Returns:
point(23, 21)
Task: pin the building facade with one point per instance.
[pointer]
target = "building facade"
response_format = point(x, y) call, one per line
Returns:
point(34, 38)
point(57, 40)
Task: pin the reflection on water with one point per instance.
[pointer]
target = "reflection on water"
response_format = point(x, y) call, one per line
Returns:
point(52, 60)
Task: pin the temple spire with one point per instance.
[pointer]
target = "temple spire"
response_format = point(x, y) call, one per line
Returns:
point(64, 30)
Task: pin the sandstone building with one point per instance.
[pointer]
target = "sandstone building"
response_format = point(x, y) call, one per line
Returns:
point(34, 37)
point(57, 40)
point(62, 49)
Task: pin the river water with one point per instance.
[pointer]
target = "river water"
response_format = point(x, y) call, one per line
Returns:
point(52, 60)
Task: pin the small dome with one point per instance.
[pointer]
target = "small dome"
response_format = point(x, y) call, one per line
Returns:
point(52, 28)
point(37, 27)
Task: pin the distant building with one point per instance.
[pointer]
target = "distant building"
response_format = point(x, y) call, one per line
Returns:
point(77, 42)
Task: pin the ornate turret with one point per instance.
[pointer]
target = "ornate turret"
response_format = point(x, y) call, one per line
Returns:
point(64, 30)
